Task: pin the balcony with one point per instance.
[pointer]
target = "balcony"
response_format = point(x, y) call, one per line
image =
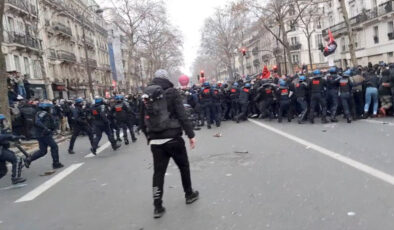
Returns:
point(22, 6)
point(92, 62)
point(366, 16)
point(89, 41)
point(295, 46)
point(62, 29)
point(51, 54)
point(66, 56)
point(25, 41)
point(256, 62)
point(101, 30)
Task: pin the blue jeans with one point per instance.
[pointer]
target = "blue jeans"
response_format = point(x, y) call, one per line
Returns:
point(22, 91)
point(371, 94)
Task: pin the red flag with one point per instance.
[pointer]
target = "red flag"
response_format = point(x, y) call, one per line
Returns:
point(331, 46)
point(331, 37)
point(266, 73)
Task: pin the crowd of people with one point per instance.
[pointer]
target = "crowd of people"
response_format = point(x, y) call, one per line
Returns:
point(163, 112)
point(355, 93)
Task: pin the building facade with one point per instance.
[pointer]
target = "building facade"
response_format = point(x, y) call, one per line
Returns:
point(373, 31)
point(23, 48)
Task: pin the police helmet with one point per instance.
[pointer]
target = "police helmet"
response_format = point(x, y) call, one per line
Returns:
point(316, 72)
point(119, 97)
point(205, 84)
point(2, 117)
point(332, 70)
point(44, 105)
point(248, 85)
point(347, 73)
point(302, 78)
point(98, 100)
point(282, 82)
point(78, 100)
point(236, 84)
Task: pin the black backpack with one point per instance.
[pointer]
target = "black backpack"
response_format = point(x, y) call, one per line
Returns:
point(157, 117)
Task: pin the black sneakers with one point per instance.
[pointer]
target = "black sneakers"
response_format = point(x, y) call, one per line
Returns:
point(18, 180)
point(27, 161)
point(57, 165)
point(126, 141)
point(70, 151)
point(116, 146)
point(159, 212)
point(192, 197)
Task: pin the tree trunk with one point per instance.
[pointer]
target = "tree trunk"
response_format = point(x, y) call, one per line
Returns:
point(287, 50)
point(4, 107)
point(308, 38)
point(350, 33)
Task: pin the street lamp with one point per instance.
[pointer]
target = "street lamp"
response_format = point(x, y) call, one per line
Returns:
point(98, 11)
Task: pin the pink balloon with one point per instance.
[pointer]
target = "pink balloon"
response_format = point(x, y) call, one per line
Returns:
point(184, 80)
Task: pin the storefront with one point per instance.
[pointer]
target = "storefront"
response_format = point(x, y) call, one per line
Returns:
point(59, 90)
point(35, 90)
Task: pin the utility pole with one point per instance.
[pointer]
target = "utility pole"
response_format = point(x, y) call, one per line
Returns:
point(349, 32)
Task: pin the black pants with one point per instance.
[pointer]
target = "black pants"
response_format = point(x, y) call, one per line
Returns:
point(284, 106)
point(304, 108)
point(98, 131)
point(358, 101)
point(176, 150)
point(124, 125)
point(208, 112)
point(347, 104)
point(318, 99)
point(9, 156)
point(77, 130)
point(43, 143)
point(266, 108)
point(243, 111)
point(332, 100)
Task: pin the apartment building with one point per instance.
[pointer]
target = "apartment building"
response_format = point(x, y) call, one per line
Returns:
point(372, 23)
point(22, 46)
point(62, 24)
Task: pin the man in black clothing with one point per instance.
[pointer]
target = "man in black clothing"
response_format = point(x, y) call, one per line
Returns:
point(163, 129)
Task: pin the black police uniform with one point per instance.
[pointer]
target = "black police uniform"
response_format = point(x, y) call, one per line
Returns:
point(81, 124)
point(332, 94)
point(300, 91)
point(124, 117)
point(317, 88)
point(345, 89)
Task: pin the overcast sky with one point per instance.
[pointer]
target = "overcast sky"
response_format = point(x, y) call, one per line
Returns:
point(188, 16)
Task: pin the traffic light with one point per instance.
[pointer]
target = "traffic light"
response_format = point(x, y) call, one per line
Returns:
point(244, 52)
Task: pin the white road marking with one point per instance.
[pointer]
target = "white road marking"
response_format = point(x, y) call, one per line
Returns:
point(378, 122)
point(13, 187)
point(336, 156)
point(99, 150)
point(49, 183)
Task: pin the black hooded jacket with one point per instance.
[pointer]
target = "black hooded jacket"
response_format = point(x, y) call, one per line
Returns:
point(176, 109)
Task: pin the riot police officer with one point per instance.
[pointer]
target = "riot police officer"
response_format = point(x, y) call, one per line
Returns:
point(80, 123)
point(345, 90)
point(45, 127)
point(283, 95)
point(300, 91)
point(101, 124)
point(234, 102)
point(6, 155)
point(332, 92)
point(317, 88)
point(124, 117)
point(206, 103)
point(217, 99)
point(243, 100)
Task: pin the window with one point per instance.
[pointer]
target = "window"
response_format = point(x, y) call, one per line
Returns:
point(376, 34)
point(11, 23)
point(294, 41)
point(27, 65)
point(390, 30)
point(353, 10)
point(295, 58)
point(17, 64)
point(319, 40)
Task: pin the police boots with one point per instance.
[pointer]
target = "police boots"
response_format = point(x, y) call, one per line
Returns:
point(115, 146)
point(17, 180)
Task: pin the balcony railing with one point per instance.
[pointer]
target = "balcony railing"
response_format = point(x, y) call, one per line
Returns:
point(62, 28)
point(23, 5)
point(51, 54)
point(101, 30)
point(24, 40)
point(89, 41)
point(295, 46)
point(366, 15)
point(66, 56)
point(92, 62)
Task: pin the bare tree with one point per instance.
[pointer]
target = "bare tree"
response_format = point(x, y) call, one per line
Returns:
point(309, 19)
point(273, 16)
point(4, 109)
point(349, 33)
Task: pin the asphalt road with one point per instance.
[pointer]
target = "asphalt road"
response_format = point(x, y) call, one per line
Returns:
point(269, 176)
